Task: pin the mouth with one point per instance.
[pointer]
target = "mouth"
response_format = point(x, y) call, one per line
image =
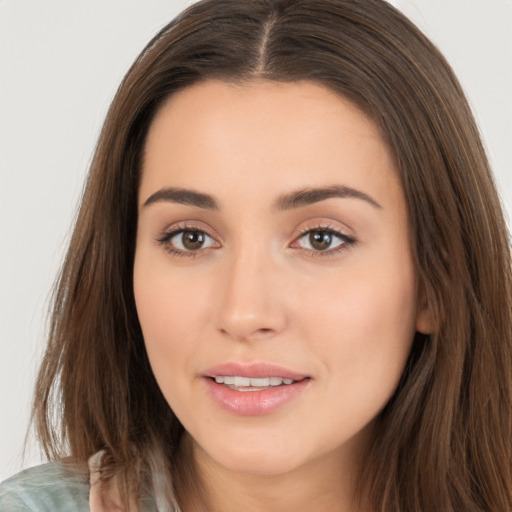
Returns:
point(243, 384)
point(254, 389)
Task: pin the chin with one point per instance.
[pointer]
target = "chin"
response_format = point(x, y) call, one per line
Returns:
point(261, 464)
point(256, 455)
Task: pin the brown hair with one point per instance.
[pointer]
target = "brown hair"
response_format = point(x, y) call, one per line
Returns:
point(444, 441)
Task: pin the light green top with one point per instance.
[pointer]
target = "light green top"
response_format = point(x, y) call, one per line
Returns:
point(57, 487)
point(50, 487)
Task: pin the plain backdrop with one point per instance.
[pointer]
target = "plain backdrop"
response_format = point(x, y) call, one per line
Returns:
point(60, 64)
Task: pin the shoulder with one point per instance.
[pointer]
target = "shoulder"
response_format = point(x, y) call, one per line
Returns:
point(49, 487)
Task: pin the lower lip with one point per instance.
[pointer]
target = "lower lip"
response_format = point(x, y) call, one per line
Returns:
point(254, 403)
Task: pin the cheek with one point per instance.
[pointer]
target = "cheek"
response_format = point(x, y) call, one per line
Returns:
point(169, 323)
point(363, 324)
point(166, 298)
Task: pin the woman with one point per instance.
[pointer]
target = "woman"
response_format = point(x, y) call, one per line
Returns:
point(289, 285)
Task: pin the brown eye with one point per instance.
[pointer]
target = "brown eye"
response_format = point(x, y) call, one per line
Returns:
point(187, 241)
point(320, 240)
point(323, 240)
point(192, 240)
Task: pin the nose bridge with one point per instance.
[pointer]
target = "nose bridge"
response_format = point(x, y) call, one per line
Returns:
point(250, 304)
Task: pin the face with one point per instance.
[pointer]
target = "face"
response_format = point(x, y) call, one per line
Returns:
point(273, 273)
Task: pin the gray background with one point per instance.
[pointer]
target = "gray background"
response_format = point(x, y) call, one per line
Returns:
point(60, 64)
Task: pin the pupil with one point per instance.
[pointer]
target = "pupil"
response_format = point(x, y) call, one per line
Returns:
point(193, 239)
point(320, 240)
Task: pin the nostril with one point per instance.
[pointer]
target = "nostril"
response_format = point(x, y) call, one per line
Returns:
point(239, 333)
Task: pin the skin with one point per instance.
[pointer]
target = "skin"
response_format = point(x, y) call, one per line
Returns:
point(258, 291)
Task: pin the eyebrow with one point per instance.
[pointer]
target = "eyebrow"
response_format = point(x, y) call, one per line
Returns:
point(315, 195)
point(297, 199)
point(183, 196)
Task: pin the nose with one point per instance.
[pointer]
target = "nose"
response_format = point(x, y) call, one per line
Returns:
point(252, 300)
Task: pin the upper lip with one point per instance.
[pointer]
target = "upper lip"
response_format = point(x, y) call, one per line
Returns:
point(253, 370)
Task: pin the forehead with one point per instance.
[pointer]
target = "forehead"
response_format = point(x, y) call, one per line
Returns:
point(262, 136)
point(299, 108)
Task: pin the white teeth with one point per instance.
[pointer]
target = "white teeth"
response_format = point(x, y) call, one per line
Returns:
point(260, 382)
point(241, 382)
point(225, 380)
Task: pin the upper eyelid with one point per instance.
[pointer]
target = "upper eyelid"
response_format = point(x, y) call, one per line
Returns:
point(325, 226)
point(336, 232)
point(187, 226)
point(200, 226)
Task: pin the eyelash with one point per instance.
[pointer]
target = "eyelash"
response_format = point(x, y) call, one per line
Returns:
point(165, 238)
point(347, 241)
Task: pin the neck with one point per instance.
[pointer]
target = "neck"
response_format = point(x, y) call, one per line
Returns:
point(328, 482)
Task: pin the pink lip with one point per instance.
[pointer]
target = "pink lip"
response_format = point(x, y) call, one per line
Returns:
point(254, 403)
point(253, 370)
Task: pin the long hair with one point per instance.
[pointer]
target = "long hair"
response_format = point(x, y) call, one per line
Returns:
point(444, 441)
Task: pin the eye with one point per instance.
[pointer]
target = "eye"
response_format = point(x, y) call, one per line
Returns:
point(323, 240)
point(185, 241)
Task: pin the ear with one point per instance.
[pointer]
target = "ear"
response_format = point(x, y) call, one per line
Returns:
point(425, 322)
point(425, 319)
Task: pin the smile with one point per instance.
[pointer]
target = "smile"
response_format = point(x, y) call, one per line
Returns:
point(254, 389)
point(238, 383)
